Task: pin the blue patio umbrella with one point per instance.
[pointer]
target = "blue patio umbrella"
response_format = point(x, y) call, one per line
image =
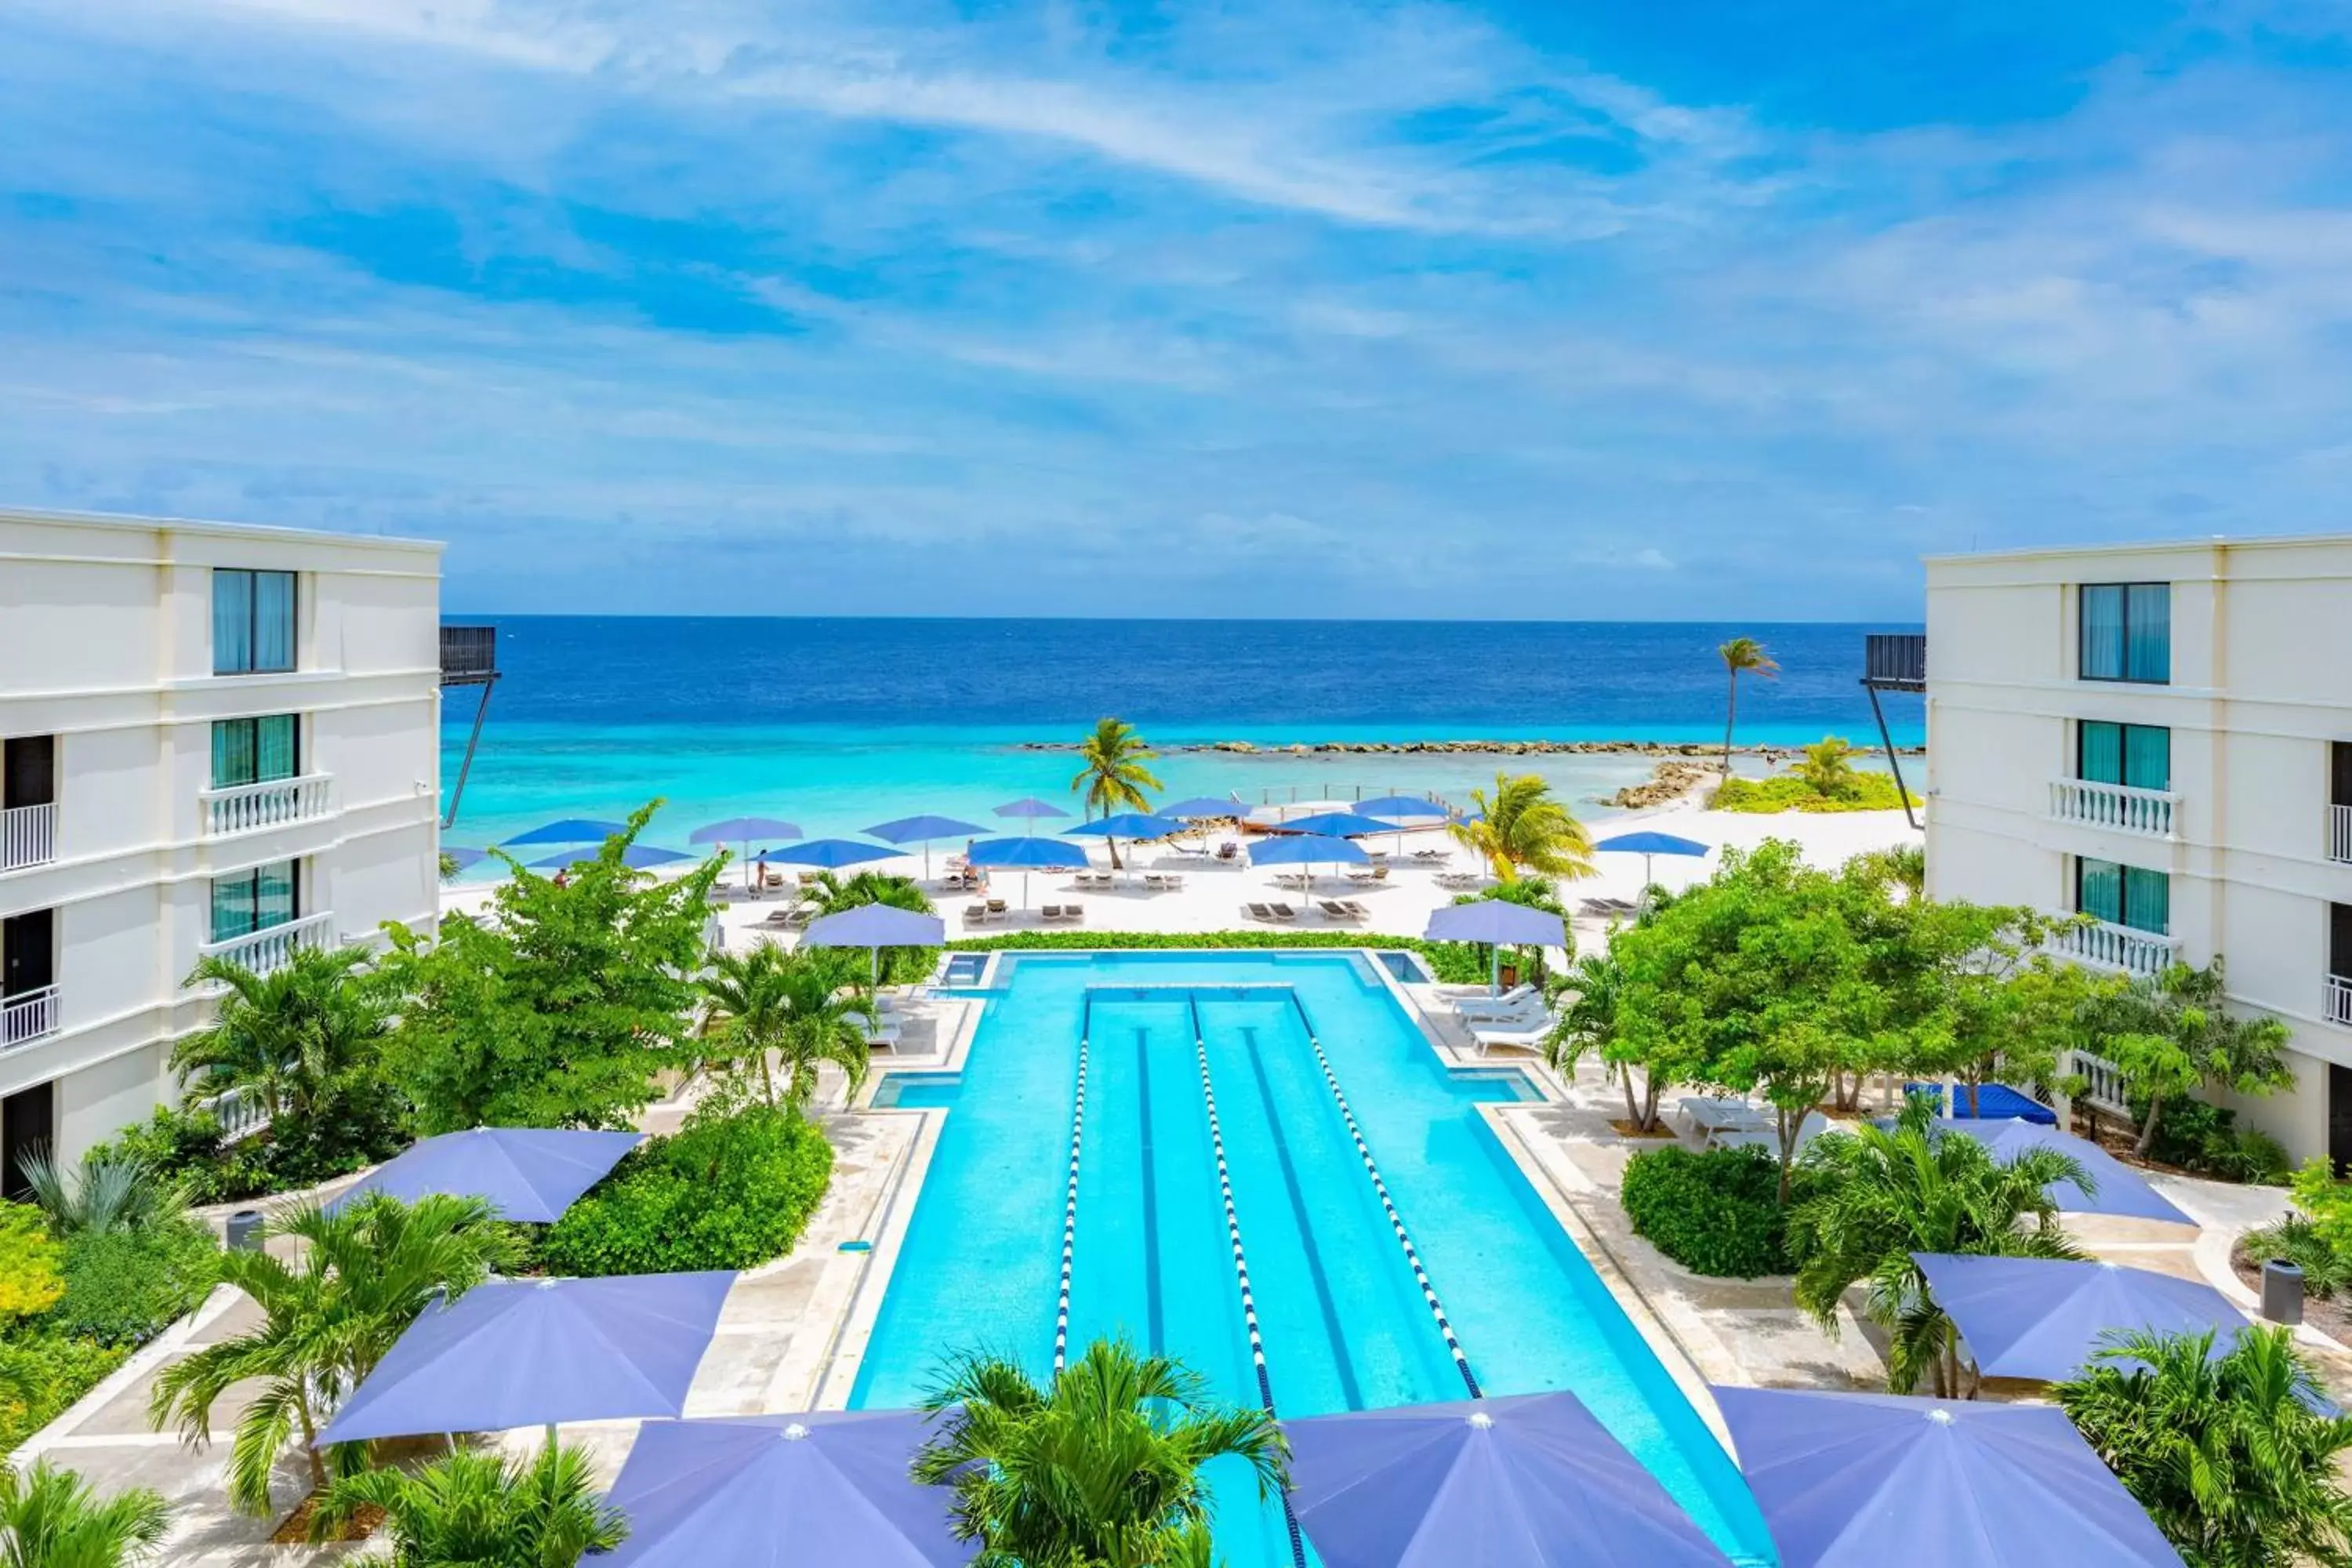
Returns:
point(1308, 849)
point(2043, 1317)
point(1204, 808)
point(534, 1352)
point(2116, 1188)
point(1030, 808)
point(1650, 845)
point(1129, 825)
point(1337, 824)
point(1024, 856)
point(922, 830)
point(830, 854)
point(1861, 1480)
point(829, 1487)
point(875, 926)
point(1531, 1480)
point(743, 831)
point(636, 856)
point(570, 831)
point(1497, 923)
point(531, 1174)
point(1399, 809)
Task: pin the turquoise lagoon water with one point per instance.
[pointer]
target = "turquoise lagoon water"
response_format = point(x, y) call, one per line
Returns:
point(1344, 1325)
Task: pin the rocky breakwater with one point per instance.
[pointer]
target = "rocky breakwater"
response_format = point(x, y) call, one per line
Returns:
point(1669, 781)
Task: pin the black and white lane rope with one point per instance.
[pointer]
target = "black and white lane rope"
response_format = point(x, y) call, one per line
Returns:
point(1388, 1206)
point(1241, 1266)
point(1070, 1217)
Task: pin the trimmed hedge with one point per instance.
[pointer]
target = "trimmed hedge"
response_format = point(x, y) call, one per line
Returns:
point(1716, 1213)
point(734, 1187)
point(42, 1374)
point(124, 1286)
point(1454, 963)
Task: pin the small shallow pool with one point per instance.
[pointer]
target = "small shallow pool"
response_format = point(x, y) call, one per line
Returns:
point(1344, 1325)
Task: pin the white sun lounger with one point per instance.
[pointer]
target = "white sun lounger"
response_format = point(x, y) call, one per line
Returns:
point(1515, 1000)
point(1767, 1136)
point(1710, 1116)
point(886, 1033)
point(1530, 1038)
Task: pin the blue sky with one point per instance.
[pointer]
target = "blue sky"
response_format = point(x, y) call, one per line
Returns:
point(1567, 311)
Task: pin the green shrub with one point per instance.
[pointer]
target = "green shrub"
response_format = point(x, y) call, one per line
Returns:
point(733, 1188)
point(1716, 1213)
point(1452, 963)
point(1789, 792)
point(2325, 1272)
point(42, 1374)
point(2206, 1140)
point(124, 1286)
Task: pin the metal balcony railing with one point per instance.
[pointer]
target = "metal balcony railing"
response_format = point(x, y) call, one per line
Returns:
point(2121, 808)
point(1897, 660)
point(2119, 948)
point(468, 653)
point(248, 808)
point(2339, 999)
point(273, 948)
point(2339, 833)
point(28, 1017)
point(28, 836)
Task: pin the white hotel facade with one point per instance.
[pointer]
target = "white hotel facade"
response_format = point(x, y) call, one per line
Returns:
point(2160, 737)
point(213, 738)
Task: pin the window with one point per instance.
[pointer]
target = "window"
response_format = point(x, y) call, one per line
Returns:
point(2124, 895)
point(256, 750)
point(2136, 756)
point(2126, 632)
point(254, 901)
point(253, 622)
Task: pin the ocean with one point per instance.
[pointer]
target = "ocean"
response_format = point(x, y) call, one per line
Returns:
point(838, 724)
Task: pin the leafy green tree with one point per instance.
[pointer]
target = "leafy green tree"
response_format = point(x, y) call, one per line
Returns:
point(1113, 775)
point(362, 1276)
point(1828, 768)
point(1589, 1025)
point(1888, 1194)
point(1740, 656)
point(51, 1518)
point(560, 1007)
point(2236, 1457)
point(475, 1509)
point(805, 1007)
point(832, 894)
point(1100, 1470)
point(2172, 1034)
point(1521, 829)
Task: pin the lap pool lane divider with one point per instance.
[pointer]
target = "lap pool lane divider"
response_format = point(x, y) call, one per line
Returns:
point(1240, 1260)
point(1070, 1206)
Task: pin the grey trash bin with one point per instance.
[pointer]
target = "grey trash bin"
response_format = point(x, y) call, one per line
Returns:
point(2282, 1291)
point(244, 1231)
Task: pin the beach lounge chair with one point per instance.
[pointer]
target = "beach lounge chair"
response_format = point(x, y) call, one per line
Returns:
point(1282, 912)
point(1359, 910)
point(884, 1032)
point(975, 915)
point(998, 909)
point(1515, 1000)
point(1528, 1037)
point(1075, 913)
point(1333, 909)
point(1707, 1115)
point(1049, 912)
point(1431, 856)
point(1768, 1135)
point(799, 916)
point(1229, 851)
point(777, 918)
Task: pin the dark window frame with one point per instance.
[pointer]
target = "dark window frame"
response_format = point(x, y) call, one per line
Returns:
point(253, 575)
point(2125, 872)
point(2083, 728)
point(251, 876)
point(253, 750)
point(2124, 624)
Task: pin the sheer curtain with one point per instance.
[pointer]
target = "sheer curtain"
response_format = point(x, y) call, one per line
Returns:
point(2100, 890)
point(2149, 616)
point(273, 620)
point(2103, 631)
point(232, 622)
point(2147, 756)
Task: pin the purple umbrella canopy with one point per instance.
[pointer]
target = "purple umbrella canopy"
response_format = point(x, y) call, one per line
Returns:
point(876, 925)
point(2120, 1190)
point(776, 1491)
point(1031, 808)
point(829, 854)
point(636, 856)
point(1529, 1481)
point(530, 1173)
point(1866, 1480)
point(1337, 824)
point(2044, 1317)
point(1497, 923)
point(532, 1353)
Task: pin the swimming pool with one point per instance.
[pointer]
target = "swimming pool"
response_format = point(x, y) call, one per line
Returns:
point(1344, 1324)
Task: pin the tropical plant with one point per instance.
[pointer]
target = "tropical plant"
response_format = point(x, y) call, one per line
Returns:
point(1589, 1025)
point(1890, 1193)
point(1903, 866)
point(2172, 1033)
point(561, 1008)
point(805, 1008)
point(477, 1509)
point(1113, 776)
point(1102, 1469)
point(1828, 767)
point(51, 1518)
point(2237, 1457)
point(362, 1274)
point(831, 894)
point(1520, 827)
point(107, 1192)
point(30, 1262)
point(1740, 656)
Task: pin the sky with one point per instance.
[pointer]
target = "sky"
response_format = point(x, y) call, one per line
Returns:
point(1567, 310)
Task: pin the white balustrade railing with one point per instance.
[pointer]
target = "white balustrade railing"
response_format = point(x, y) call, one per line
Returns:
point(28, 1017)
point(246, 808)
point(2339, 833)
point(2105, 946)
point(240, 1111)
point(2118, 807)
point(273, 948)
point(28, 837)
point(2339, 999)
point(2103, 1084)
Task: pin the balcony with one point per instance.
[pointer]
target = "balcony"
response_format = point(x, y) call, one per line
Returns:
point(2339, 1000)
point(28, 837)
point(2339, 833)
point(267, 950)
point(239, 1110)
point(469, 655)
point(2103, 1084)
point(2119, 808)
point(2119, 949)
point(248, 808)
point(32, 1016)
point(1894, 661)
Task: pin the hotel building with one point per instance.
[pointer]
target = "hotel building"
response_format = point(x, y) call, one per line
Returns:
point(2159, 737)
point(213, 738)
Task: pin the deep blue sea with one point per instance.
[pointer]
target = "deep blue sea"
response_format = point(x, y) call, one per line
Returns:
point(835, 725)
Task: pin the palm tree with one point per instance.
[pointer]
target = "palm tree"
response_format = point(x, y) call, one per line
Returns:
point(1891, 1192)
point(1114, 777)
point(51, 1518)
point(286, 1037)
point(1589, 1023)
point(1741, 653)
point(1828, 767)
point(832, 894)
point(806, 1007)
point(1100, 1470)
point(1521, 827)
point(363, 1275)
point(2236, 1457)
point(477, 1507)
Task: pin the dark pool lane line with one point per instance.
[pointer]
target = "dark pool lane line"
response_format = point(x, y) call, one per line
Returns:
point(1155, 1329)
